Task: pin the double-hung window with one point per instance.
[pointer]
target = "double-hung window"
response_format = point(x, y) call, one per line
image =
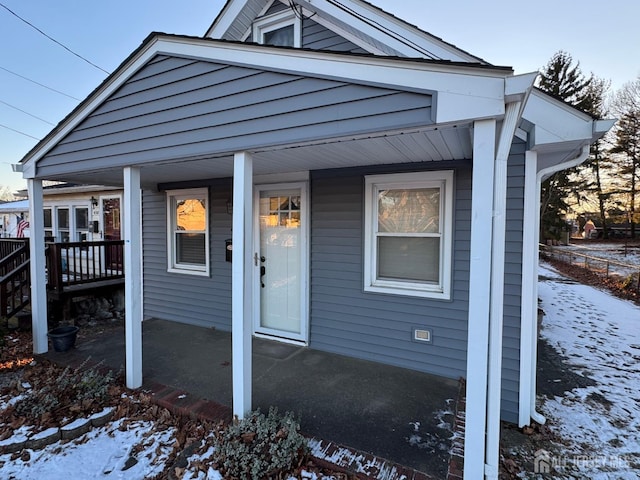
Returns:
point(408, 234)
point(188, 231)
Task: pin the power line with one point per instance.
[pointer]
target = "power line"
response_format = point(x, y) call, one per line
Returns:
point(53, 39)
point(18, 131)
point(381, 28)
point(38, 83)
point(27, 113)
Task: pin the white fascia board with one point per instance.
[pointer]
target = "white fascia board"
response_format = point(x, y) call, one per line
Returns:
point(436, 48)
point(229, 13)
point(518, 87)
point(555, 122)
point(331, 25)
point(461, 93)
point(601, 127)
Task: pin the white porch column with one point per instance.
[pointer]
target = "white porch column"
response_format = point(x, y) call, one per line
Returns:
point(131, 220)
point(37, 267)
point(484, 140)
point(241, 282)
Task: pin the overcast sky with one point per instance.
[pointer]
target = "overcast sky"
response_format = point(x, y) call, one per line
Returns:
point(603, 36)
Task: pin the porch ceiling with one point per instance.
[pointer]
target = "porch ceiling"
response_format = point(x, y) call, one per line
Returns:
point(434, 144)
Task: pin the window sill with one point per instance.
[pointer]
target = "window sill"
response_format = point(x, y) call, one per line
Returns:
point(187, 271)
point(435, 293)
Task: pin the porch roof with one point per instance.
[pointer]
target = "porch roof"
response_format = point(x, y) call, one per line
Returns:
point(451, 95)
point(448, 96)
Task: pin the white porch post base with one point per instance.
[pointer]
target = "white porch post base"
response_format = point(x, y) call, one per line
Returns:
point(241, 282)
point(37, 267)
point(484, 138)
point(132, 277)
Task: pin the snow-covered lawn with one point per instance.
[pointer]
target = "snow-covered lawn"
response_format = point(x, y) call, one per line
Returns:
point(102, 453)
point(599, 335)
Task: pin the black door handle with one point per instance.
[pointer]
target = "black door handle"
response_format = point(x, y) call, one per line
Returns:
point(263, 271)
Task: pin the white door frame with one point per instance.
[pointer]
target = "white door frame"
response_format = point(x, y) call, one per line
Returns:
point(303, 337)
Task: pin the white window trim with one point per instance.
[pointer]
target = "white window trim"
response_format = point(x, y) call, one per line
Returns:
point(275, 22)
point(172, 265)
point(373, 183)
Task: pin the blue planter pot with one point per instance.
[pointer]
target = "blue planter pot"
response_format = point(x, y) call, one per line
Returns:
point(63, 338)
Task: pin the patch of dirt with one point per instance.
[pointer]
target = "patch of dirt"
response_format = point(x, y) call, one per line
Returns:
point(555, 376)
point(518, 447)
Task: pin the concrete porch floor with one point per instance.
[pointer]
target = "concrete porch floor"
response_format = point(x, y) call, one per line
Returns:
point(385, 411)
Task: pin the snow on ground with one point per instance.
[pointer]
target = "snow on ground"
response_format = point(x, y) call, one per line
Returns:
point(101, 453)
point(599, 335)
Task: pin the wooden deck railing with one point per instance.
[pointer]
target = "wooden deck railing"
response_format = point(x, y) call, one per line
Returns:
point(15, 284)
point(68, 265)
point(75, 263)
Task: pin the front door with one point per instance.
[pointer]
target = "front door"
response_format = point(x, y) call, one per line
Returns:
point(282, 261)
point(110, 207)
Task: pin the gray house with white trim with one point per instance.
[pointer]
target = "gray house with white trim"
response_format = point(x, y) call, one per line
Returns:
point(324, 173)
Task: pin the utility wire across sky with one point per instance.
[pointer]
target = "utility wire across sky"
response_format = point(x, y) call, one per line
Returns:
point(52, 39)
point(18, 131)
point(38, 83)
point(27, 113)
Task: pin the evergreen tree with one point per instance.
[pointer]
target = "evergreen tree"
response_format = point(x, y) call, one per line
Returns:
point(564, 80)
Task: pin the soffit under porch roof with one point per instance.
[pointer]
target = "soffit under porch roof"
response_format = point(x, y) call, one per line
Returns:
point(429, 145)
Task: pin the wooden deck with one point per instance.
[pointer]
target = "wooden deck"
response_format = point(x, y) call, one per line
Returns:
point(72, 269)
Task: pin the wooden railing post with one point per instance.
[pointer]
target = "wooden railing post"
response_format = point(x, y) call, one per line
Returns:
point(55, 267)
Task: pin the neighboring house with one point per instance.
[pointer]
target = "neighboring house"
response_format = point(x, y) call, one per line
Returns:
point(11, 214)
point(370, 180)
point(72, 213)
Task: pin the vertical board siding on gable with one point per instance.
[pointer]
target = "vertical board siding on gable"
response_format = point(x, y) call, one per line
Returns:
point(317, 37)
point(196, 300)
point(347, 321)
point(513, 281)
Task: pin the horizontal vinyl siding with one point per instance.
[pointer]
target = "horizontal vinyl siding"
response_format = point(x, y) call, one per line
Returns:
point(196, 300)
point(318, 37)
point(180, 108)
point(377, 327)
point(513, 282)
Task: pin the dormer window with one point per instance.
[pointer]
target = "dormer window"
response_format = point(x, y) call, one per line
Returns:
point(281, 29)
